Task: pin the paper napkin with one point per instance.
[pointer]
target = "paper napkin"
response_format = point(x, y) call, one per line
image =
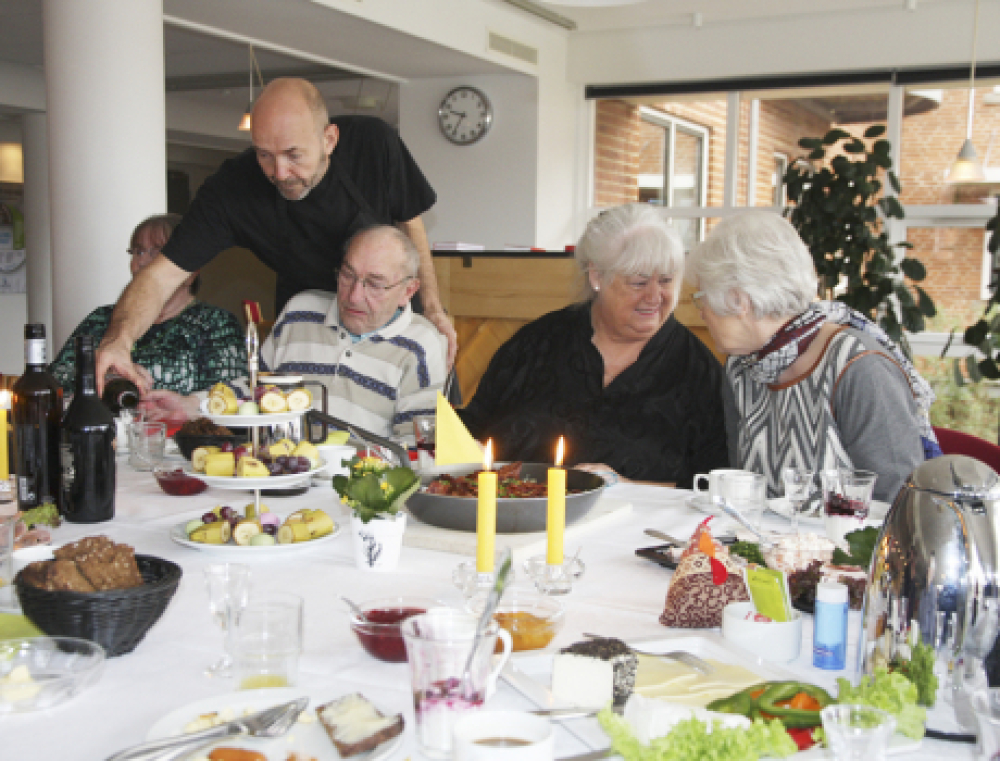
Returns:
point(453, 443)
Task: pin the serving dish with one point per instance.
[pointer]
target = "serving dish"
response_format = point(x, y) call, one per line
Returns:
point(264, 482)
point(531, 674)
point(249, 421)
point(514, 516)
point(308, 739)
point(381, 635)
point(237, 552)
point(59, 669)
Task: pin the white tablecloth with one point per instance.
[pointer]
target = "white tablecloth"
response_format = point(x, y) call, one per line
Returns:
point(621, 595)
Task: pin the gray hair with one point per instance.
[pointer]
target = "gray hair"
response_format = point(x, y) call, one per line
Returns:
point(412, 266)
point(761, 255)
point(634, 239)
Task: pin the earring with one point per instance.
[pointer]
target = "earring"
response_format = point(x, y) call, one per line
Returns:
point(597, 287)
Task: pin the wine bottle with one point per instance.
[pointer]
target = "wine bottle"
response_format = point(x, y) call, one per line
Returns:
point(37, 409)
point(87, 447)
point(120, 394)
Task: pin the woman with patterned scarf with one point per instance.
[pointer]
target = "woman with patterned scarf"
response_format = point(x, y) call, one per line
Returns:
point(811, 384)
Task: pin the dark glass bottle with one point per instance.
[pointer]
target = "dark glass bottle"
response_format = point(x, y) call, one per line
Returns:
point(37, 409)
point(87, 447)
point(120, 394)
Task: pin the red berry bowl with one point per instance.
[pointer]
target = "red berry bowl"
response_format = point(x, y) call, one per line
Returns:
point(177, 483)
point(380, 635)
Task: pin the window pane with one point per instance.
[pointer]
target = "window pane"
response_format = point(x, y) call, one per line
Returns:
point(957, 270)
point(651, 179)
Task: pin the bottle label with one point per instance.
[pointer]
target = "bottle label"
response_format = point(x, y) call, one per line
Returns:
point(68, 464)
point(34, 351)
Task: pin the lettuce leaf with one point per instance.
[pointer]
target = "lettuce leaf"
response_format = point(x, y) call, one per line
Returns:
point(893, 693)
point(693, 740)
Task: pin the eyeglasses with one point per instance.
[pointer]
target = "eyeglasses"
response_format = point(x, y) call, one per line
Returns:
point(641, 282)
point(142, 251)
point(696, 298)
point(349, 277)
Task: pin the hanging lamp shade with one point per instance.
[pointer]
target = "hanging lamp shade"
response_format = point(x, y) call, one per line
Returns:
point(967, 167)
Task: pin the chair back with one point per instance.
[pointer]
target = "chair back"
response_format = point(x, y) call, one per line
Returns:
point(957, 442)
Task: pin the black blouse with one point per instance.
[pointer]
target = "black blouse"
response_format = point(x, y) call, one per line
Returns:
point(661, 419)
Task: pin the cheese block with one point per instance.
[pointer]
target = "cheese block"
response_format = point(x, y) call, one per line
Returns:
point(594, 673)
point(356, 726)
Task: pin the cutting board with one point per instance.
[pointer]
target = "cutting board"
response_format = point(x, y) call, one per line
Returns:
point(605, 512)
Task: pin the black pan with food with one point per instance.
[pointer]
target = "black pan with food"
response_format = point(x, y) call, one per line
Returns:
point(521, 515)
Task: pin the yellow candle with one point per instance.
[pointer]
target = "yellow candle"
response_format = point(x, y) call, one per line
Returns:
point(4, 457)
point(556, 524)
point(486, 514)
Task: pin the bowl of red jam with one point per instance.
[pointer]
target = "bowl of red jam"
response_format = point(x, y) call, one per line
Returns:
point(177, 483)
point(380, 633)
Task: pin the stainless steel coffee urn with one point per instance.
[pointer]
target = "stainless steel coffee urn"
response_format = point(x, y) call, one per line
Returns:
point(934, 572)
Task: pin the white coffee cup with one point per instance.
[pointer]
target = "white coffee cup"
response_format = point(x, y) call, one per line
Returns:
point(502, 736)
point(334, 455)
point(713, 481)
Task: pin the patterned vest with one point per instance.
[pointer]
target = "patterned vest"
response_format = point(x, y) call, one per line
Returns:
point(781, 426)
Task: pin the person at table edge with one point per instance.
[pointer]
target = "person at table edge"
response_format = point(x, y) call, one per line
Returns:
point(381, 363)
point(293, 199)
point(635, 393)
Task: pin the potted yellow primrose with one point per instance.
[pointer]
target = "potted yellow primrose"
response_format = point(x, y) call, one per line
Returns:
point(376, 491)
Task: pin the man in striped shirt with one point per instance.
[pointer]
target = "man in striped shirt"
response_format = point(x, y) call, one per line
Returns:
point(380, 362)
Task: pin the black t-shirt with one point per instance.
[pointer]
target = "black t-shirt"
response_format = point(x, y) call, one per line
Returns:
point(302, 241)
point(660, 420)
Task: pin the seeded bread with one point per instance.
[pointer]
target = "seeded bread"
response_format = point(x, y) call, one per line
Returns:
point(91, 564)
point(356, 726)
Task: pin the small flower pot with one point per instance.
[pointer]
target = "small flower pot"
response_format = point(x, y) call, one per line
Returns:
point(377, 544)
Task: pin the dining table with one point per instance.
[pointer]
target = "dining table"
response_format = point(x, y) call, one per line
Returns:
point(620, 595)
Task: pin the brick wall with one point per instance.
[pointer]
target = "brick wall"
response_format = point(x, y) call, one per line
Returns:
point(627, 146)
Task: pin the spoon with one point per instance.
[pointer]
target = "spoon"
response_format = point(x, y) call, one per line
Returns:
point(723, 504)
point(356, 610)
point(492, 602)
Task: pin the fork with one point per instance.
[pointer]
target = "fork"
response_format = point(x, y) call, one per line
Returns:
point(271, 722)
point(681, 656)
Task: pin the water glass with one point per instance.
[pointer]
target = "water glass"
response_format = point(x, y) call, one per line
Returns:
point(988, 734)
point(147, 442)
point(228, 586)
point(7, 523)
point(745, 491)
point(268, 642)
point(425, 435)
point(438, 645)
point(857, 733)
point(847, 497)
point(798, 488)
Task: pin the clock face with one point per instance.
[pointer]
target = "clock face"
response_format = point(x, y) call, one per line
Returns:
point(465, 115)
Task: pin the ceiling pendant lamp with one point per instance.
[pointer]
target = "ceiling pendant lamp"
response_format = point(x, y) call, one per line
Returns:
point(247, 121)
point(967, 167)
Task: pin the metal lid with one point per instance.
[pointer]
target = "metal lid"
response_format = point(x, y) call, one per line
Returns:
point(956, 476)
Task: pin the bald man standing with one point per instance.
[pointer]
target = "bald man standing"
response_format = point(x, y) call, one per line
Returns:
point(294, 199)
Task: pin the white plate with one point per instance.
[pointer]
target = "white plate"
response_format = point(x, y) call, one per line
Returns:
point(264, 482)
point(310, 740)
point(249, 421)
point(531, 674)
point(234, 551)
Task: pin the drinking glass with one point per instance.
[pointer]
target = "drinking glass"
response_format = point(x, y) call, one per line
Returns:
point(425, 434)
point(228, 587)
point(847, 497)
point(438, 644)
point(745, 491)
point(147, 443)
point(857, 733)
point(798, 487)
point(268, 642)
point(7, 597)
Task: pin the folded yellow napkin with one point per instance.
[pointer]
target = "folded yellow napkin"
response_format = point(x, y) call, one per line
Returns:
point(13, 626)
point(453, 444)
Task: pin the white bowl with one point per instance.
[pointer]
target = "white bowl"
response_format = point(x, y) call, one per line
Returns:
point(771, 640)
point(29, 555)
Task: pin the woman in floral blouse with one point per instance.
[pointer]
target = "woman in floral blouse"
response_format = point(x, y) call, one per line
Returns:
point(190, 347)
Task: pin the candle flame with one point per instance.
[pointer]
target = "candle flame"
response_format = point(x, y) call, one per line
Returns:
point(560, 449)
point(488, 456)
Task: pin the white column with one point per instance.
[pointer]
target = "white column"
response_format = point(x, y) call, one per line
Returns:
point(107, 144)
point(37, 234)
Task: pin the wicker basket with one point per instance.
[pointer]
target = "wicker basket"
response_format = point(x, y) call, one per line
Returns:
point(117, 619)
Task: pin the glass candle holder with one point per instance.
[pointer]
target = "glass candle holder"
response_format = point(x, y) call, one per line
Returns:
point(554, 579)
point(470, 581)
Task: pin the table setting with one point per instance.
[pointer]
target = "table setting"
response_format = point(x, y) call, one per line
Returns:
point(252, 628)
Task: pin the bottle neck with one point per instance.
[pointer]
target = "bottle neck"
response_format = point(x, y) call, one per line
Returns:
point(86, 381)
point(34, 353)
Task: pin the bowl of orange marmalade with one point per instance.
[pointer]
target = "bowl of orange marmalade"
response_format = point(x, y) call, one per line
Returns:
point(532, 619)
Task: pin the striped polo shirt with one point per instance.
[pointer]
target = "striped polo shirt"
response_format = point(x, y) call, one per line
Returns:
point(378, 383)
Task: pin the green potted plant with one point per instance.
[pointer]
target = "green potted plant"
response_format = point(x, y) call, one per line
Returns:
point(376, 491)
point(836, 212)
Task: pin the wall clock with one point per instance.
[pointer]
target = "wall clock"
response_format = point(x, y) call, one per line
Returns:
point(465, 115)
